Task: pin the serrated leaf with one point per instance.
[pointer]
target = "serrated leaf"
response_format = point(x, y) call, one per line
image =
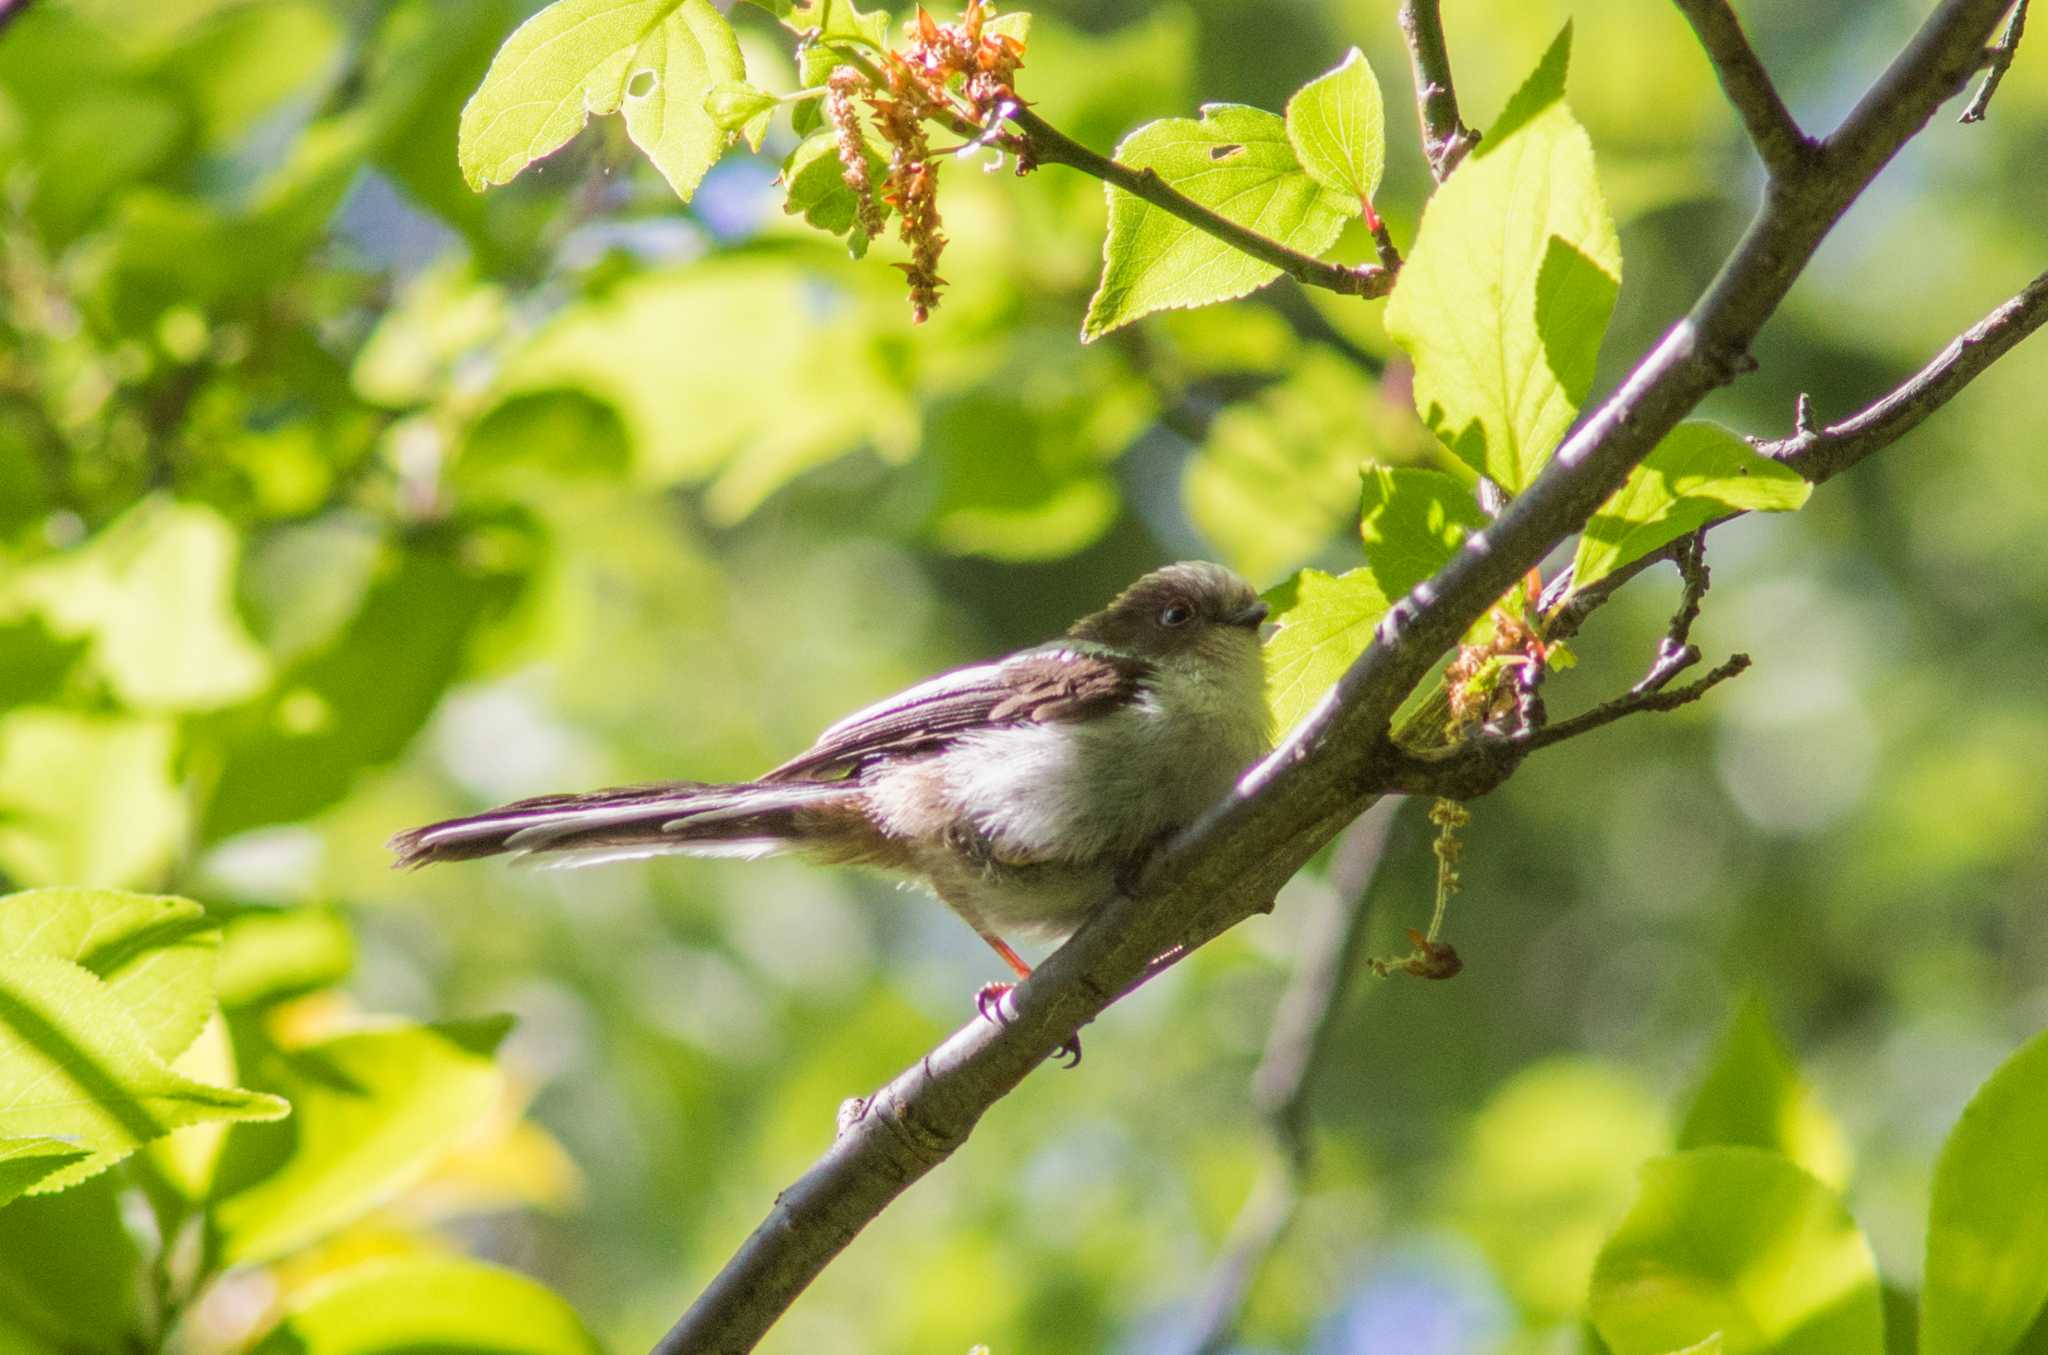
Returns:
point(1699, 472)
point(428, 1303)
point(74, 1065)
point(1338, 129)
point(373, 1110)
point(1987, 1228)
point(155, 952)
point(815, 188)
point(1506, 293)
point(1741, 1242)
point(24, 1162)
point(1412, 522)
point(656, 59)
point(1236, 161)
point(1751, 1095)
point(1324, 623)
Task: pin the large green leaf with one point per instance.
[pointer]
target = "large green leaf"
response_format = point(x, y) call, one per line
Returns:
point(1987, 1229)
point(1412, 522)
point(1339, 130)
point(1741, 1242)
point(75, 1066)
point(372, 1112)
point(1506, 293)
point(658, 59)
point(1324, 623)
point(24, 1162)
point(1699, 472)
point(1238, 162)
point(87, 799)
point(154, 592)
point(1277, 476)
point(413, 1304)
point(155, 953)
point(1752, 1095)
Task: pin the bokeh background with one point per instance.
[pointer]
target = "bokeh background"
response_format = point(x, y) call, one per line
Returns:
point(336, 498)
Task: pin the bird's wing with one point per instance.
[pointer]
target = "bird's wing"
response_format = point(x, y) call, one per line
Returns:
point(1039, 686)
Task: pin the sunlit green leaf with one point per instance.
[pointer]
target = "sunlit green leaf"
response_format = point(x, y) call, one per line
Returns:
point(1412, 522)
point(428, 1303)
point(1752, 1095)
point(183, 1160)
point(23, 1162)
point(154, 593)
point(75, 1066)
point(657, 59)
point(372, 1111)
point(1236, 161)
point(1987, 1229)
point(86, 798)
point(1324, 623)
point(267, 955)
point(156, 953)
point(1699, 472)
point(1339, 130)
point(815, 188)
point(736, 106)
point(1506, 292)
point(1741, 1242)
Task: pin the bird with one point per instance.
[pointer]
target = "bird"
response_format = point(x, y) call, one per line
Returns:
point(1024, 792)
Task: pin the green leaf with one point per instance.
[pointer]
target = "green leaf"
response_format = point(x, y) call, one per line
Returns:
point(1987, 1228)
point(1741, 1242)
point(815, 188)
point(23, 1162)
point(1752, 1096)
point(1339, 130)
point(86, 798)
point(372, 1112)
point(156, 953)
point(1236, 161)
point(154, 593)
point(1277, 476)
point(1412, 522)
point(1698, 473)
point(736, 106)
point(1323, 624)
point(388, 1307)
point(1507, 291)
point(75, 1066)
point(657, 59)
point(268, 955)
point(67, 1273)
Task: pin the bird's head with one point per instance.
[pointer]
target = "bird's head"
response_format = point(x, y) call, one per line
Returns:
point(1189, 608)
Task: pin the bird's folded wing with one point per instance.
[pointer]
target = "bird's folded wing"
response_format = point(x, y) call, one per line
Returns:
point(1039, 686)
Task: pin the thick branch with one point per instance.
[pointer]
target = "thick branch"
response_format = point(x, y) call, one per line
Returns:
point(1445, 137)
point(1784, 148)
point(1045, 144)
point(1230, 864)
point(1821, 453)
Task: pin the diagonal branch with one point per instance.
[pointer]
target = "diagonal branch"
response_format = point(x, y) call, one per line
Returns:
point(1445, 137)
point(1785, 149)
point(2000, 57)
point(1230, 863)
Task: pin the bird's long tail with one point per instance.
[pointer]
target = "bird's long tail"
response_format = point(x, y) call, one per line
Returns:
point(684, 817)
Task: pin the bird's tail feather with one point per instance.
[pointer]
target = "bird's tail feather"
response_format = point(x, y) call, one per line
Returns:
point(684, 817)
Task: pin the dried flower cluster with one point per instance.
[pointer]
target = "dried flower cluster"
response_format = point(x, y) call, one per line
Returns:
point(958, 73)
point(1493, 679)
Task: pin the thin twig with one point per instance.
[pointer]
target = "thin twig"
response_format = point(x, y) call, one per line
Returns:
point(1676, 652)
point(1326, 966)
point(1445, 137)
point(1042, 143)
point(1785, 149)
point(2000, 61)
point(1819, 454)
point(1634, 703)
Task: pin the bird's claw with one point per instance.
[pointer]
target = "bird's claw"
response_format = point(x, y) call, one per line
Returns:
point(993, 1002)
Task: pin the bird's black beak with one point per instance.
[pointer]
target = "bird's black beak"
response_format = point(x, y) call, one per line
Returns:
point(1251, 616)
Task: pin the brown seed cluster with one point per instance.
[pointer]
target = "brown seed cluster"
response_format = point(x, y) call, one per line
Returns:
point(841, 87)
point(1491, 681)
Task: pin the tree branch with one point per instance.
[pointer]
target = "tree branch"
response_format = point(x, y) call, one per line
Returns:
point(1785, 149)
point(1336, 763)
point(1332, 940)
point(1042, 143)
point(2001, 61)
point(1445, 137)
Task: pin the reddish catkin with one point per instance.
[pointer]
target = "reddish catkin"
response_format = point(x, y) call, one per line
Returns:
point(841, 86)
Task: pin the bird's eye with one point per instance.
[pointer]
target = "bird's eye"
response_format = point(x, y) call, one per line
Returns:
point(1176, 614)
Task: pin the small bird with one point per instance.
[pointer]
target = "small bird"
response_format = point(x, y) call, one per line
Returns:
point(1023, 792)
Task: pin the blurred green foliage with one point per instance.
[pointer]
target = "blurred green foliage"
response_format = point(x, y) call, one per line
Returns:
point(335, 498)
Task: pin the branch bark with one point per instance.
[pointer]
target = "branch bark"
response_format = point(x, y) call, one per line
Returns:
point(1784, 148)
point(1445, 137)
point(1339, 760)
